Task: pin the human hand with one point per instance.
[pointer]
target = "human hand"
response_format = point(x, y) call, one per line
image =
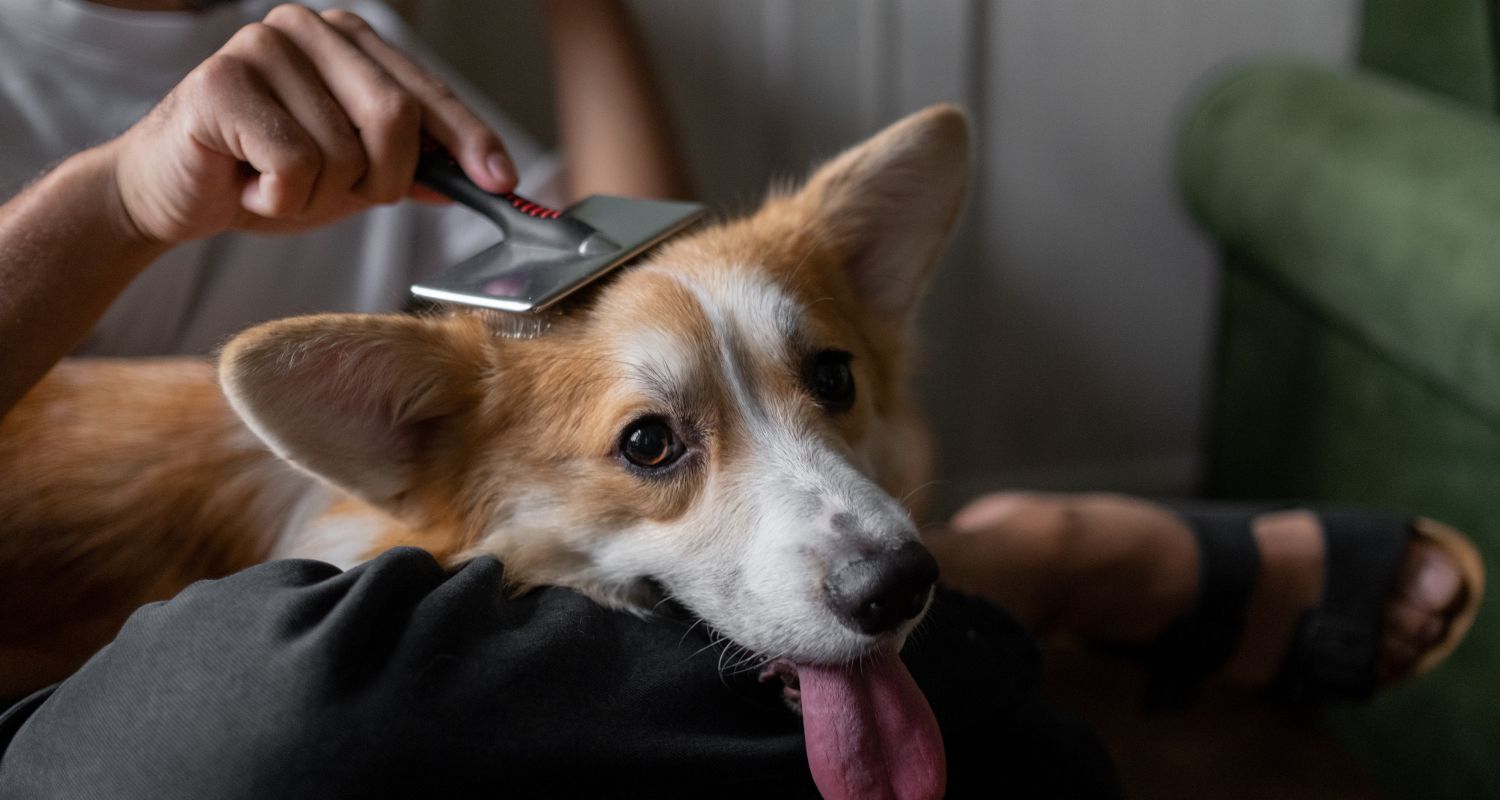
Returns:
point(297, 121)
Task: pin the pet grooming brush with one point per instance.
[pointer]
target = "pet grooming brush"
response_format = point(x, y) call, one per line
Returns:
point(546, 254)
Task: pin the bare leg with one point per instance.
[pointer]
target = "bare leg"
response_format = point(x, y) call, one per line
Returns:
point(1111, 568)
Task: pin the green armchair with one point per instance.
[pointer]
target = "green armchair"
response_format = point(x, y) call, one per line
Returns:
point(1358, 360)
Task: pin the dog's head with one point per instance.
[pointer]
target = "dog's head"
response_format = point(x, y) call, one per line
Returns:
point(727, 420)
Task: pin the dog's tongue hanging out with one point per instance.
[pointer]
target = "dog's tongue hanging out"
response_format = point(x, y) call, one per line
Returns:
point(870, 732)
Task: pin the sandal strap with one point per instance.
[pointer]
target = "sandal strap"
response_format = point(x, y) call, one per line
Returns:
point(1197, 644)
point(1336, 644)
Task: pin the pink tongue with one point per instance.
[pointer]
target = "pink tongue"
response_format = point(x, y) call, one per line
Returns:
point(870, 733)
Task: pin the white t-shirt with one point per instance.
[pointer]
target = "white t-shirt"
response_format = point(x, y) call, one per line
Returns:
point(74, 74)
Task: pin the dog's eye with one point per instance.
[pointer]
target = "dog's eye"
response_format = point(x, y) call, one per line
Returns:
point(649, 443)
point(830, 380)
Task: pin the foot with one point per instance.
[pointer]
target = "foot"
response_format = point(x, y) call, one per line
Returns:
point(1116, 569)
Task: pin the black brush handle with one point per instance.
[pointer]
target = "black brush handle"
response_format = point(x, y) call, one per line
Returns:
point(524, 221)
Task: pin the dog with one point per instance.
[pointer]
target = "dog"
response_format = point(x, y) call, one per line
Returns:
point(725, 423)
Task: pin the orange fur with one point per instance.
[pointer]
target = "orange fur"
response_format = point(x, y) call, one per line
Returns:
point(124, 481)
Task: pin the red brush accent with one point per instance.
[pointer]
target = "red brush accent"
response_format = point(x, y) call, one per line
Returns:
point(531, 208)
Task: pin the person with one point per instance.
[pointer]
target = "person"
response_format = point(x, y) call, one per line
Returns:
point(154, 243)
point(322, 108)
point(294, 675)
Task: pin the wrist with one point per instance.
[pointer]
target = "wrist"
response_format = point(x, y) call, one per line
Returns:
point(110, 216)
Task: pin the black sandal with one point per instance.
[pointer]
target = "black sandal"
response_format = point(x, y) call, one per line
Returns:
point(1335, 646)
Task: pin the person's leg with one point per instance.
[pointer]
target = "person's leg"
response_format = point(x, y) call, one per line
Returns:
point(398, 679)
point(1111, 568)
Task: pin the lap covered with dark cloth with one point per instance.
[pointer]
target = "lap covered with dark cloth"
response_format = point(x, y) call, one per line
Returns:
point(293, 679)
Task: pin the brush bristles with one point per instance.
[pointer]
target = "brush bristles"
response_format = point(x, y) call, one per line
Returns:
point(517, 326)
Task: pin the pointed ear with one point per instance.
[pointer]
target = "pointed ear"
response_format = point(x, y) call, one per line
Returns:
point(361, 401)
point(889, 204)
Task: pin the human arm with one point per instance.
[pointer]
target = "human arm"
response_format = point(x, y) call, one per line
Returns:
point(611, 116)
point(297, 121)
point(67, 249)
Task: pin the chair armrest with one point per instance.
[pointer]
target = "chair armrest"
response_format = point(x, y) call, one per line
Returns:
point(1373, 204)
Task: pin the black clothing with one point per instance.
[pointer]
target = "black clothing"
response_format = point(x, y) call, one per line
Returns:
point(293, 679)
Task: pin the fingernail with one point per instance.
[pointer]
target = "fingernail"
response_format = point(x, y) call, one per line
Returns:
point(500, 169)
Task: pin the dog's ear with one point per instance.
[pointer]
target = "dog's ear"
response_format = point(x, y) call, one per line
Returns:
point(888, 204)
point(358, 400)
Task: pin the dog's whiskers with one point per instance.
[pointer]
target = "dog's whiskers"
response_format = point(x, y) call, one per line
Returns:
point(754, 663)
point(745, 662)
point(732, 653)
point(928, 484)
point(714, 639)
point(689, 630)
point(920, 629)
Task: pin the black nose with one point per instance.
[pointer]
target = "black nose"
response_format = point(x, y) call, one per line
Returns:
point(877, 593)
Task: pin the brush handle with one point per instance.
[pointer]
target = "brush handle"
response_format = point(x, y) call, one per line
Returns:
point(523, 221)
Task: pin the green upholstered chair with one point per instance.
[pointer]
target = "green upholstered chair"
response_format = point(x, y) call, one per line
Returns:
point(1358, 213)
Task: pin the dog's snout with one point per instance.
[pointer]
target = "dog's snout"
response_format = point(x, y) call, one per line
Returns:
point(877, 593)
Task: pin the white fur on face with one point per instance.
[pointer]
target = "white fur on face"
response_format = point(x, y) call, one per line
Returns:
point(658, 362)
point(769, 524)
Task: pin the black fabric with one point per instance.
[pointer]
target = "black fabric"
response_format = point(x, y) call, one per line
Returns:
point(1336, 645)
point(1197, 644)
point(394, 679)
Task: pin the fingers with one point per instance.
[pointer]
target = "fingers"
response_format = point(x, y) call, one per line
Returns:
point(382, 114)
point(297, 121)
point(326, 159)
point(387, 100)
point(256, 129)
point(476, 147)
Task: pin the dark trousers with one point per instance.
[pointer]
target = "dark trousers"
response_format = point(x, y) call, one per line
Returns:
point(293, 679)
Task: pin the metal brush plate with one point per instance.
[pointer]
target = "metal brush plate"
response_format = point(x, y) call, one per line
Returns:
point(516, 277)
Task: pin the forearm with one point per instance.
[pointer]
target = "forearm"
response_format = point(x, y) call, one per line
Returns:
point(611, 116)
point(67, 249)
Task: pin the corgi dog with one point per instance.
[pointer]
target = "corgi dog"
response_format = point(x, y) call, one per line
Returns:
point(725, 422)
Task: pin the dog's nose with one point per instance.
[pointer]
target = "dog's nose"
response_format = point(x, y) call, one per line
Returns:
point(876, 594)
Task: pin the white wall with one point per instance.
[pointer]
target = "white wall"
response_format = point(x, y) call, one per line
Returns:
point(1069, 332)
